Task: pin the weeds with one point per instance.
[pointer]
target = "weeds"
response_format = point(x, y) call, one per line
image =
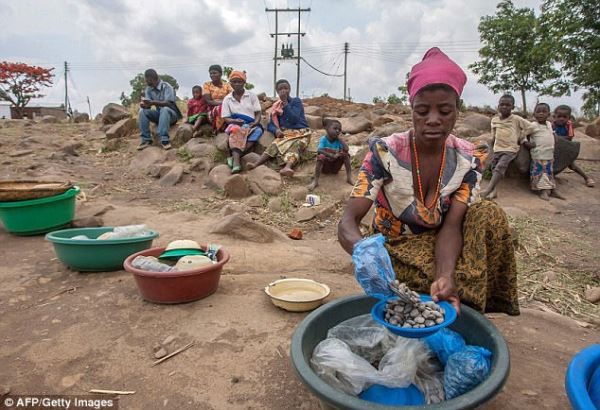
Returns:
point(185, 154)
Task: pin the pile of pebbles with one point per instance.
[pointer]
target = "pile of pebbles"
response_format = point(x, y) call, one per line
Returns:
point(409, 311)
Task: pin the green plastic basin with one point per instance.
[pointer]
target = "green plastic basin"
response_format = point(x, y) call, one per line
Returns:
point(474, 327)
point(36, 216)
point(96, 255)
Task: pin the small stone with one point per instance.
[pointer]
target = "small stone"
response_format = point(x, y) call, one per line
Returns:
point(407, 325)
point(160, 353)
point(168, 340)
point(436, 314)
point(235, 380)
point(295, 234)
point(419, 319)
point(429, 323)
point(414, 313)
point(439, 321)
point(421, 326)
point(393, 321)
point(528, 392)
point(593, 295)
point(407, 308)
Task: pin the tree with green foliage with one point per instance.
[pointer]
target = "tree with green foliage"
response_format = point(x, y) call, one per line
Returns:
point(575, 27)
point(516, 54)
point(227, 70)
point(138, 85)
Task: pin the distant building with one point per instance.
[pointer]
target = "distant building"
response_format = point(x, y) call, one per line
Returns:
point(5, 111)
point(32, 112)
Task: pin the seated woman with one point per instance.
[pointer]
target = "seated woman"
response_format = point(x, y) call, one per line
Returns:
point(291, 131)
point(441, 237)
point(241, 112)
point(213, 92)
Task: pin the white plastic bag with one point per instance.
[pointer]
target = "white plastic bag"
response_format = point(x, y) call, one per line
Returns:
point(398, 368)
point(335, 363)
point(365, 337)
point(430, 380)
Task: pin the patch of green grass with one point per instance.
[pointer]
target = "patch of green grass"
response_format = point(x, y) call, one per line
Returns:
point(286, 203)
point(355, 162)
point(219, 157)
point(184, 154)
point(265, 199)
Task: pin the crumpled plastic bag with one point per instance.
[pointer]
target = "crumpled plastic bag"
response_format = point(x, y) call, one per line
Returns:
point(336, 364)
point(465, 370)
point(444, 343)
point(430, 380)
point(365, 337)
point(373, 267)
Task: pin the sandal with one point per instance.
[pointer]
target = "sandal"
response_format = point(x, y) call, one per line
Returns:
point(235, 170)
point(230, 162)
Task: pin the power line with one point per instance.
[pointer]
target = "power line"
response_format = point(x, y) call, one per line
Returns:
point(322, 72)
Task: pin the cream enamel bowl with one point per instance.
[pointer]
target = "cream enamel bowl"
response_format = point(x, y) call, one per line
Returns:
point(297, 295)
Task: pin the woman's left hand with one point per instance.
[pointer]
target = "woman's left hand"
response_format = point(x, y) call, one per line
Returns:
point(443, 288)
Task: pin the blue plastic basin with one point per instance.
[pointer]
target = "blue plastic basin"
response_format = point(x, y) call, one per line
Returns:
point(474, 328)
point(582, 380)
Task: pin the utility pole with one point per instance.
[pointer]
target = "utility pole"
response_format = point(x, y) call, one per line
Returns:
point(345, 66)
point(66, 91)
point(89, 107)
point(277, 33)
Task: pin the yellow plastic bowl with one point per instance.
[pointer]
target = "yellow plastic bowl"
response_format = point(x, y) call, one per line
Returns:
point(297, 295)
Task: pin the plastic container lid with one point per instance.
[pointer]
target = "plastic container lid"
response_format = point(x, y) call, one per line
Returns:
point(178, 253)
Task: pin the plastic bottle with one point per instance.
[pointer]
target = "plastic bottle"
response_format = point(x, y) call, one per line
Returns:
point(151, 264)
point(129, 231)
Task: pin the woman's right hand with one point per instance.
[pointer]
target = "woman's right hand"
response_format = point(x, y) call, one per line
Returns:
point(278, 133)
point(443, 288)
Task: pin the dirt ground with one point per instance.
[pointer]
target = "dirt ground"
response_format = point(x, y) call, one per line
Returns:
point(65, 332)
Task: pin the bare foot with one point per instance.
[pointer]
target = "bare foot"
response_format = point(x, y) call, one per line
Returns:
point(312, 185)
point(250, 166)
point(349, 180)
point(545, 195)
point(590, 182)
point(557, 194)
point(286, 172)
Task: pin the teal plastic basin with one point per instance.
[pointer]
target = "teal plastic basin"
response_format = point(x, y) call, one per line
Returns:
point(474, 327)
point(36, 216)
point(96, 255)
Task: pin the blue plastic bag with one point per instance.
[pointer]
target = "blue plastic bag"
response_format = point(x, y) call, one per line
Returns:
point(465, 370)
point(373, 267)
point(445, 343)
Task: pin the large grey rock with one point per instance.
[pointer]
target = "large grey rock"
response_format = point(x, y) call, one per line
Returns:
point(122, 128)
point(81, 117)
point(200, 149)
point(299, 193)
point(467, 132)
point(112, 113)
point(233, 208)
point(235, 187)
point(387, 130)
point(249, 157)
point(264, 141)
point(590, 147)
point(358, 139)
point(200, 164)
point(172, 177)
point(49, 119)
point(144, 159)
point(354, 125)
point(314, 122)
point(183, 134)
point(313, 110)
point(477, 121)
point(382, 120)
point(264, 180)
point(241, 227)
point(380, 111)
point(218, 176)
point(159, 170)
point(222, 142)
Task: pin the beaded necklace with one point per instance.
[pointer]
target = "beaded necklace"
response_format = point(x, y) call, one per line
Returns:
point(440, 174)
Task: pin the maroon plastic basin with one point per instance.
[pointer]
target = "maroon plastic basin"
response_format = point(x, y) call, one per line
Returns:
point(177, 287)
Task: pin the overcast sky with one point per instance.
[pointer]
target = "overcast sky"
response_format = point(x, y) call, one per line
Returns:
point(107, 42)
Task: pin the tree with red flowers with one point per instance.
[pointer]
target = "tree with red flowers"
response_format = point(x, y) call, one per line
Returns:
point(19, 83)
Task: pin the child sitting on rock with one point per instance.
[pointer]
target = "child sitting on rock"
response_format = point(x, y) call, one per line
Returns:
point(563, 128)
point(508, 132)
point(541, 171)
point(197, 113)
point(332, 153)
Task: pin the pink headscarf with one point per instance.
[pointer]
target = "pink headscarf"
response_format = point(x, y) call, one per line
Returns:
point(435, 68)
